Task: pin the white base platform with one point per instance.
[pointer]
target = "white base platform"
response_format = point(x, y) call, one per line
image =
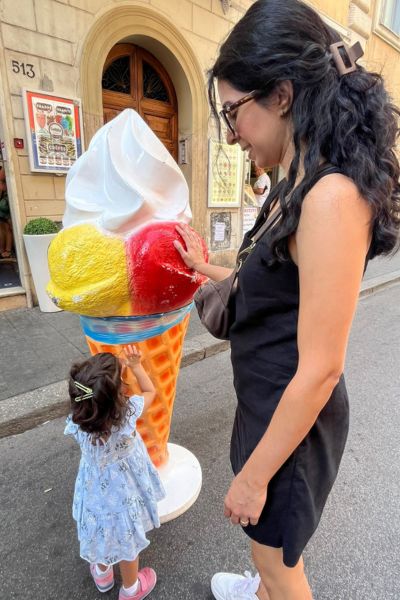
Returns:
point(182, 479)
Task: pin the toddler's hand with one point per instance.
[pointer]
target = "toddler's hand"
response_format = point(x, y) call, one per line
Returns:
point(130, 356)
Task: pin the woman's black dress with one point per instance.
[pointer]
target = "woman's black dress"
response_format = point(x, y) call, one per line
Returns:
point(264, 358)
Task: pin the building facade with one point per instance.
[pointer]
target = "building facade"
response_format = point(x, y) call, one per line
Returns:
point(150, 55)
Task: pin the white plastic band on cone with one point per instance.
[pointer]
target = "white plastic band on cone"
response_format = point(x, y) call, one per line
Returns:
point(128, 330)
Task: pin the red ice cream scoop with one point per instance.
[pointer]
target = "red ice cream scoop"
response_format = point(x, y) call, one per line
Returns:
point(159, 280)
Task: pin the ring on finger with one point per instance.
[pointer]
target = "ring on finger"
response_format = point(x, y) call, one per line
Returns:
point(244, 522)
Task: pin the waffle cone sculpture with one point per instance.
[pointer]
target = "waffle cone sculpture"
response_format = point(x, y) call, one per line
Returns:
point(161, 359)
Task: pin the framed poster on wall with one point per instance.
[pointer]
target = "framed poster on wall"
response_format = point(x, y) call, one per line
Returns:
point(53, 129)
point(225, 175)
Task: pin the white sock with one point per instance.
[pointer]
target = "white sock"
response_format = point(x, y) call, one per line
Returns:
point(133, 589)
point(100, 572)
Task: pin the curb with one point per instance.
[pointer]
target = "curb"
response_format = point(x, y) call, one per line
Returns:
point(34, 408)
point(375, 284)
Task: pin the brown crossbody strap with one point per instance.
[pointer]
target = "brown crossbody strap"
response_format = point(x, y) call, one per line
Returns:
point(245, 253)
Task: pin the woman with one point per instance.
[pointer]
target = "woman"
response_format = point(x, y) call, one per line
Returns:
point(292, 98)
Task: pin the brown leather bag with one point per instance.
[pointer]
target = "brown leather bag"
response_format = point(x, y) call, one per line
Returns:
point(213, 298)
point(212, 303)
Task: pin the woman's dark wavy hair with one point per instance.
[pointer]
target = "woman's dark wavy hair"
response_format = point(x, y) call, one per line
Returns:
point(347, 120)
point(107, 407)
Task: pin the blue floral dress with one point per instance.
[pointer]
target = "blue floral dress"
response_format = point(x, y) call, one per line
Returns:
point(116, 492)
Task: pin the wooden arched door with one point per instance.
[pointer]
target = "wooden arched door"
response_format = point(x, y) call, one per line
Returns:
point(133, 78)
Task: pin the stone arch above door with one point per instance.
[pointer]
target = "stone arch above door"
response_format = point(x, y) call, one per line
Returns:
point(134, 78)
point(120, 23)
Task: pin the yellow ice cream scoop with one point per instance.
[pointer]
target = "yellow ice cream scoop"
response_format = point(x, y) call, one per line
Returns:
point(88, 272)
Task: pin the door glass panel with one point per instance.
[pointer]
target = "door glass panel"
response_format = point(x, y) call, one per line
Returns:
point(153, 86)
point(117, 76)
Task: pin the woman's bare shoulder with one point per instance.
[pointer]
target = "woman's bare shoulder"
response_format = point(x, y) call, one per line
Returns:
point(335, 194)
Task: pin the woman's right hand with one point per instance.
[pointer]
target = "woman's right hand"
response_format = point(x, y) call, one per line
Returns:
point(193, 255)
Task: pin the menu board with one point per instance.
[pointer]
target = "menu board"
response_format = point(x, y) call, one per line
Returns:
point(54, 131)
point(225, 175)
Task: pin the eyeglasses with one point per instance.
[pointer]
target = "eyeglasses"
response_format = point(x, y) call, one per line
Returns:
point(226, 113)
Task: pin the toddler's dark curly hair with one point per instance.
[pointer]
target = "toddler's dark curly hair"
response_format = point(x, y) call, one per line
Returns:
point(107, 406)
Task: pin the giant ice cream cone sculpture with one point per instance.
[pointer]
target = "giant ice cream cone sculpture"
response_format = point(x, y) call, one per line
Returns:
point(115, 264)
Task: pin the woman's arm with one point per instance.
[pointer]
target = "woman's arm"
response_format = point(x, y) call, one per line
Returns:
point(193, 256)
point(331, 245)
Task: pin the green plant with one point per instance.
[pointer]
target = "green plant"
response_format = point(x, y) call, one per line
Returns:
point(41, 226)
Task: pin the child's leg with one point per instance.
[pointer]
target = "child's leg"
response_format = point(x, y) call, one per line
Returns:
point(103, 576)
point(129, 572)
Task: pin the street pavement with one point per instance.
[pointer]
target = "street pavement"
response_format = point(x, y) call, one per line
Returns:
point(355, 554)
point(383, 265)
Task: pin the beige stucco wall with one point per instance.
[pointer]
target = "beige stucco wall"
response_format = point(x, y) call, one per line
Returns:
point(384, 59)
point(335, 9)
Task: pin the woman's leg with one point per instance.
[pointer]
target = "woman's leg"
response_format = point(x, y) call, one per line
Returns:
point(129, 572)
point(281, 582)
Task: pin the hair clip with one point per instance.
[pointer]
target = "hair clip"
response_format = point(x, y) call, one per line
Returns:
point(345, 58)
point(83, 388)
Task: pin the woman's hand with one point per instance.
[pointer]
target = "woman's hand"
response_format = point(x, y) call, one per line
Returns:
point(244, 501)
point(193, 255)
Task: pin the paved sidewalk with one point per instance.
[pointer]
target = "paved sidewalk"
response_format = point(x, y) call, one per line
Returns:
point(38, 349)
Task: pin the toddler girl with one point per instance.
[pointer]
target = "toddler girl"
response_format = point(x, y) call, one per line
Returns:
point(117, 487)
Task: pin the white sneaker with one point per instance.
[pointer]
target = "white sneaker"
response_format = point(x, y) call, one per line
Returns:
point(229, 586)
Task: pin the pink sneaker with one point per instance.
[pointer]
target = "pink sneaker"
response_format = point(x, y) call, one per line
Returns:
point(105, 582)
point(147, 581)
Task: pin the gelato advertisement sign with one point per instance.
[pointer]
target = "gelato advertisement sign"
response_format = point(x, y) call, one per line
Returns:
point(54, 132)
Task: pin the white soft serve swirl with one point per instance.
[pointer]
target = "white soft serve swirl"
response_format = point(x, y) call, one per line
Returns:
point(125, 179)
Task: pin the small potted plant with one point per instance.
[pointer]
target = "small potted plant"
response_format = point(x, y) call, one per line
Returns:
point(38, 233)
